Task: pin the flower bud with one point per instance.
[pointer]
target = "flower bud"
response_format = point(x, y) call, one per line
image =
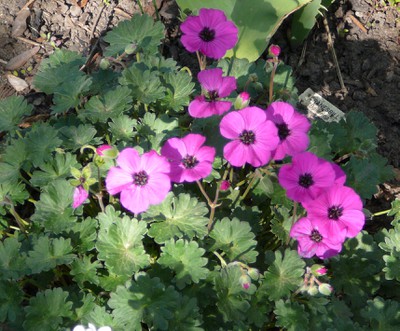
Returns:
point(242, 100)
point(224, 185)
point(104, 64)
point(107, 151)
point(318, 270)
point(274, 50)
point(253, 273)
point(325, 289)
point(131, 48)
point(245, 281)
point(312, 290)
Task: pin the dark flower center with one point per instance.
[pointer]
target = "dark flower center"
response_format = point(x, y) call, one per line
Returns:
point(315, 236)
point(82, 180)
point(247, 137)
point(212, 95)
point(207, 34)
point(190, 161)
point(140, 178)
point(306, 180)
point(335, 212)
point(283, 131)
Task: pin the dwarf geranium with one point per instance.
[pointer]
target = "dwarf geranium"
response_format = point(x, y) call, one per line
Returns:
point(253, 137)
point(338, 208)
point(313, 240)
point(210, 33)
point(141, 180)
point(214, 88)
point(190, 160)
point(292, 129)
point(306, 177)
point(80, 195)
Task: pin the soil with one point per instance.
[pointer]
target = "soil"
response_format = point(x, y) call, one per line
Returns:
point(366, 36)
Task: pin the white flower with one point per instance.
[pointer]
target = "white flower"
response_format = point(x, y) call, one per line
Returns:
point(91, 328)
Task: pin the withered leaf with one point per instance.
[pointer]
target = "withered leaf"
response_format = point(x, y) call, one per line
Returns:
point(19, 60)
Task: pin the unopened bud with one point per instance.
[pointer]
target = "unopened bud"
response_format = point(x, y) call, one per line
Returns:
point(131, 48)
point(224, 185)
point(107, 151)
point(312, 290)
point(242, 100)
point(245, 281)
point(274, 50)
point(318, 270)
point(253, 273)
point(104, 64)
point(325, 289)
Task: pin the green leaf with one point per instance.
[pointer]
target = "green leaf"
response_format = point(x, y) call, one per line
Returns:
point(61, 67)
point(68, 94)
point(47, 309)
point(235, 239)
point(101, 316)
point(392, 269)
point(281, 223)
point(16, 193)
point(186, 316)
point(238, 68)
point(284, 274)
point(179, 88)
point(40, 143)
point(11, 297)
point(291, 316)
point(12, 110)
point(83, 235)
point(84, 270)
point(145, 299)
point(395, 211)
point(48, 253)
point(382, 314)
point(177, 217)
point(256, 23)
point(303, 21)
point(122, 127)
point(363, 175)
point(232, 297)
point(141, 30)
point(12, 262)
point(145, 85)
point(114, 103)
point(54, 209)
point(59, 167)
point(121, 247)
point(185, 258)
point(74, 137)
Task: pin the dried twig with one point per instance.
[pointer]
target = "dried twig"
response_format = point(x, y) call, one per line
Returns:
point(331, 47)
point(122, 13)
point(358, 23)
point(28, 41)
point(30, 2)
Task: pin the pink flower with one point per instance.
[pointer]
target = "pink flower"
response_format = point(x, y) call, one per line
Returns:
point(292, 129)
point(215, 87)
point(306, 177)
point(141, 180)
point(274, 50)
point(80, 195)
point(210, 33)
point(102, 148)
point(224, 185)
point(190, 161)
point(253, 137)
point(340, 175)
point(313, 240)
point(338, 208)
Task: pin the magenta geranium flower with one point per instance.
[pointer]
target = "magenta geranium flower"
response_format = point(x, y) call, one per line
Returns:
point(140, 180)
point(210, 33)
point(313, 240)
point(338, 208)
point(253, 137)
point(214, 88)
point(189, 159)
point(306, 177)
point(80, 195)
point(292, 129)
point(340, 175)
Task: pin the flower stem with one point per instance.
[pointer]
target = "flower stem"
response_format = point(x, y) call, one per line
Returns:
point(256, 175)
point(380, 213)
point(204, 192)
point(140, 6)
point(202, 61)
point(223, 263)
point(271, 82)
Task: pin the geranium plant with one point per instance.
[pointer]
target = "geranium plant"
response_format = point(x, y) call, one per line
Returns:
point(148, 200)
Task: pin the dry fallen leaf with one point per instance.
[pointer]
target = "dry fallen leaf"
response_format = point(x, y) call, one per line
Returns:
point(19, 60)
point(17, 83)
point(19, 24)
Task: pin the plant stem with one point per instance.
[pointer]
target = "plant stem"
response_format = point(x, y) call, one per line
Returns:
point(214, 204)
point(202, 61)
point(256, 175)
point(140, 6)
point(271, 82)
point(223, 263)
point(380, 213)
point(156, 10)
point(204, 192)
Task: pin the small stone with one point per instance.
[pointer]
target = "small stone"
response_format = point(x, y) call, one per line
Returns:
point(75, 11)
